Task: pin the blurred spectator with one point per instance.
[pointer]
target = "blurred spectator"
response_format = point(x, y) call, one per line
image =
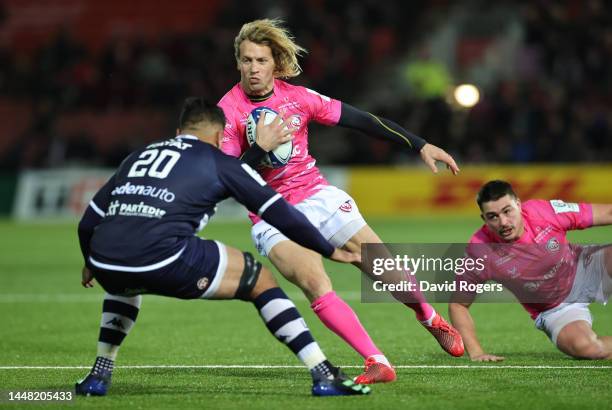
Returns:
point(555, 107)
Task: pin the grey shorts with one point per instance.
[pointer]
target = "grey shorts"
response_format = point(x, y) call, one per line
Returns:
point(591, 284)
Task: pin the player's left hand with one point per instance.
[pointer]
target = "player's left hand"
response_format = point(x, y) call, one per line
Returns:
point(430, 154)
point(86, 278)
point(343, 256)
point(486, 357)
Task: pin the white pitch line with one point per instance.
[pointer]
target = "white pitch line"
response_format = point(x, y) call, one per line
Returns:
point(98, 297)
point(262, 366)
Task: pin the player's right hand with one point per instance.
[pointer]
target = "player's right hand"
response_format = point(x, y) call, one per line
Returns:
point(270, 136)
point(343, 256)
point(485, 357)
point(86, 278)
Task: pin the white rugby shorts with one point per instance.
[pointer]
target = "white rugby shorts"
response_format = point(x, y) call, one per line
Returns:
point(331, 210)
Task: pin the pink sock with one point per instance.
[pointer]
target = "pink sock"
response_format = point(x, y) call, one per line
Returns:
point(422, 309)
point(340, 319)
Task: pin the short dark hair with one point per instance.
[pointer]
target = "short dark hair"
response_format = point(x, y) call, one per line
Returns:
point(196, 110)
point(493, 190)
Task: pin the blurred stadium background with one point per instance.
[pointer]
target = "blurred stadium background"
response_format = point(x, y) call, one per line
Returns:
point(83, 82)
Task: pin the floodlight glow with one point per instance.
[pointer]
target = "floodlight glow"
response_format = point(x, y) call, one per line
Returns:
point(467, 95)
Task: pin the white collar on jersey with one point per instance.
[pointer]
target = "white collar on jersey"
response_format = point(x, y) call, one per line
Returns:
point(187, 137)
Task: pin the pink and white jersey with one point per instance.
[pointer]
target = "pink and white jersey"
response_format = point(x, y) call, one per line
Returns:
point(300, 178)
point(538, 268)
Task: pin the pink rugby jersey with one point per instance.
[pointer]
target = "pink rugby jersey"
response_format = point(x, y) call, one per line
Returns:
point(539, 268)
point(300, 178)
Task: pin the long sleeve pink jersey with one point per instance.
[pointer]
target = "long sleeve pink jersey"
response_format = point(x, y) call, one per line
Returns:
point(539, 268)
point(300, 178)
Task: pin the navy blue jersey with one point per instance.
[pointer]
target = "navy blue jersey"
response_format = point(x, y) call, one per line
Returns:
point(165, 193)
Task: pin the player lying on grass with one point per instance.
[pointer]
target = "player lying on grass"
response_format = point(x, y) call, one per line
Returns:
point(138, 236)
point(555, 281)
point(265, 52)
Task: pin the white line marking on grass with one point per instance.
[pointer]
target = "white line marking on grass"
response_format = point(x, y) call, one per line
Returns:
point(97, 297)
point(467, 366)
point(265, 366)
point(49, 297)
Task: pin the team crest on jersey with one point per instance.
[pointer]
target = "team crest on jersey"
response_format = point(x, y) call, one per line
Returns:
point(346, 207)
point(202, 283)
point(553, 245)
point(296, 121)
point(531, 286)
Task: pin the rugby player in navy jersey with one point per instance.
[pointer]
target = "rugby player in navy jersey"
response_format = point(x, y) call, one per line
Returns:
point(138, 236)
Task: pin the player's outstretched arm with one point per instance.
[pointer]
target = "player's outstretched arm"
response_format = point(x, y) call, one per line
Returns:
point(462, 320)
point(388, 130)
point(247, 187)
point(602, 214)
point(295, 226)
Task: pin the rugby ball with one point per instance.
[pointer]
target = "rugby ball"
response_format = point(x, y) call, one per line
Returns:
point(278, 157)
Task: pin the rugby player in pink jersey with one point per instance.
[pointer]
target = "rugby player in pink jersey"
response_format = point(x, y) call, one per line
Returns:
point(265, 52)
point(555, 281)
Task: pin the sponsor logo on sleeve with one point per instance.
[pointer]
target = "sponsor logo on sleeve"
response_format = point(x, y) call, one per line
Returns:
point(561, 207)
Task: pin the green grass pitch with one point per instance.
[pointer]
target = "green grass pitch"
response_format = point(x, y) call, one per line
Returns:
point(48, 319)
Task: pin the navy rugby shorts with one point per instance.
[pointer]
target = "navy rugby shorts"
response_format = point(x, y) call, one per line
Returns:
point(196, 274)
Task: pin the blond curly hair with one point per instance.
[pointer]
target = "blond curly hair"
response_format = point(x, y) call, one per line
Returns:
point(270, 32)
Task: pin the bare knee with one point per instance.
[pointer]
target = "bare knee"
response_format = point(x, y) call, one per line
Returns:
point(315, 286)
point(584, 347)
point(590, 350)
point(265, 281)
point(312, 279)
point(303, 268)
